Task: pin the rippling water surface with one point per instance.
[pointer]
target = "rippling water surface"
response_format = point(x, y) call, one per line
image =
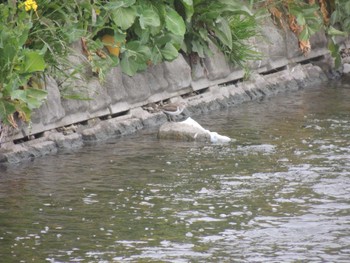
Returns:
point(280, 193)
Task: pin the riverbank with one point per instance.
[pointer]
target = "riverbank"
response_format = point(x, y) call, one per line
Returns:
point(259, 86)
point(122, 105)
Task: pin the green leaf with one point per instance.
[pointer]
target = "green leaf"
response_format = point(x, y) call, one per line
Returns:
point(18, 94)
point(6, 108)
point(198, 47)
point(156, 55)
point(300, 19)
point(25, 111)
point(169, 52)
point(33, 62)
point(113, 5)
point(223, 32)
point(38, 94)
point(24, 34)
point(174, 22)
point(236, 7)
point(149, 18)
point(305, 34)
point(135, 57)
point(335, 17)
point(137, 49)
point(347, 8)
point(124, 18)
point(189, 10)
point(335, 32)
point(129, 65)
point(35, 97)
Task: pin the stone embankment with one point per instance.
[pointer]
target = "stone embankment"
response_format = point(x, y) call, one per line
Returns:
point(123, 105)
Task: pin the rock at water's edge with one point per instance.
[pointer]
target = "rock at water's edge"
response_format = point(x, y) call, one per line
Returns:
point(189, 130)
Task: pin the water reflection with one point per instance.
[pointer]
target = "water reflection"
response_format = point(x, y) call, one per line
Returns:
point(279, 194)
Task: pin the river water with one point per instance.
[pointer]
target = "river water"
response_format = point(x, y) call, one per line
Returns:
point(280, 193)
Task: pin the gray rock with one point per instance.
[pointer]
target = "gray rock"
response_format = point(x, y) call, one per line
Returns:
point(346, 68)
point(28, 151)
point(182, 132)
point(70, 141)
point(274, 38)
point(100, 97)
point(148, 119)
point(111, 128)
point(114, 85)
point(136, 87)
point(178, 74)
point(216, 65)
point(318, 40)
point(52, 110)
point(292, 45)
point(198, 70)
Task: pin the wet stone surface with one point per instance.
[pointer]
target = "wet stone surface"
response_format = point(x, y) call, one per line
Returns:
point(280, 193)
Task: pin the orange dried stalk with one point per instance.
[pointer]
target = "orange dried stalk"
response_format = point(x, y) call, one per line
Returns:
point(12, 121)
point(305, 46)
point(276, 14)
point(101, 54)
point(293, 25)
point(324, 11)
point(85, 49)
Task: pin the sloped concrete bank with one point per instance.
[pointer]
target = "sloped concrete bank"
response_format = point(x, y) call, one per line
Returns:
point(123, 105)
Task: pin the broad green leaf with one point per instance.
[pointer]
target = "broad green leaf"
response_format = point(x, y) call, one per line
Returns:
point(24, 34)
point(311, 10)
point(149, 18)
point(300, 19)
point(169, 52)
point(6, 108)
point(174, 22)
point(135, 57)
point(37, 94)
point(198, 47)
point(236, 7)
point(189, 10)
point(305, 34)
point(335, 32)
point(32, 97)
point(347, 8)
point(137, 49)
point(129, 64)
point(24, 111)
point(223, 32)
point(156, 55)
point(203, 34)
point(335, 17)
point(18, 94)
point(33, 62)
point(113, 5)
point(346, 24)
point(124, 18)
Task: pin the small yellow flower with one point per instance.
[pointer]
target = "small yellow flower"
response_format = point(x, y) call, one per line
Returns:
point(29, 5)
point(97, 11)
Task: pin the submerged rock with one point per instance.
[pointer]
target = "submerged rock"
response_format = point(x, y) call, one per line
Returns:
point(189, 130)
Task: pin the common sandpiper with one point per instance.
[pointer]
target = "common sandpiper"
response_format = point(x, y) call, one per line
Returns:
point(173, 109)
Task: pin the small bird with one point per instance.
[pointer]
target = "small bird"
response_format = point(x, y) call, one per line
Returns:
point(173, 109)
